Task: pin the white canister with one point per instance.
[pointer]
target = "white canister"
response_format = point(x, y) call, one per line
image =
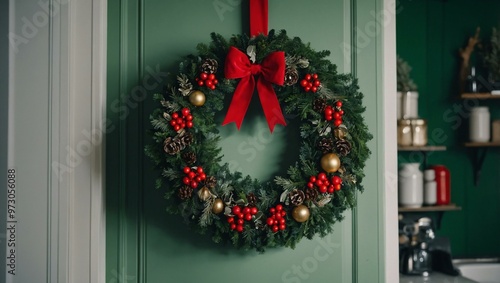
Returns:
point(410, 185)
point(430, 187)
point(479, 124)
point(407, 105)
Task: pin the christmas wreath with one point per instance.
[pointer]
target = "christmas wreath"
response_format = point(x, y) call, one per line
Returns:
point(229, 206)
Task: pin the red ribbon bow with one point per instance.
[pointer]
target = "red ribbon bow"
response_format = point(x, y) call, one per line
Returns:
point(270, 71)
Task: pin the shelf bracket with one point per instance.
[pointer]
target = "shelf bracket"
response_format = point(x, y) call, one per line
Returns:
point(479, 154)
point(439, 217)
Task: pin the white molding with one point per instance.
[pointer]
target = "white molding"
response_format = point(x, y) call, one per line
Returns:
point(58, 195)
point(86, 76)
point(99, 75)
point(57, 82)
point(390, 197)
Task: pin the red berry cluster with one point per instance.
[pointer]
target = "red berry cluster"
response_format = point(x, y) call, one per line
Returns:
point(207, 80)
point(241, 213)
point(334, 114)
point(194, 176)
point(277, 219)
point(181, 120)
point(323, 184)
point(310, 83)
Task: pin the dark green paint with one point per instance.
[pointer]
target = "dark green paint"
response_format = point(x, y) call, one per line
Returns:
point(429, 34)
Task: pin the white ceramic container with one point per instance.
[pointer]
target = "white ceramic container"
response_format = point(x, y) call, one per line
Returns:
point(479, 124)
point(410, 185)
point(430, 187)
point(407, 105)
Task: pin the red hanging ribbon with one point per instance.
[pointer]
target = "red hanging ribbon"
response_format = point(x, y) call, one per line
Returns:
point(270, 71)
point(258, 17)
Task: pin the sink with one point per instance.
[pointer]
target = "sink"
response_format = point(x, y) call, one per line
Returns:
point(480, 270)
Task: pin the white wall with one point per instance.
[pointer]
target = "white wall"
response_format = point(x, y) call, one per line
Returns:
point(56, 95)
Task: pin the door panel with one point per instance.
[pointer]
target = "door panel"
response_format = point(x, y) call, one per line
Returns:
point(144, 243)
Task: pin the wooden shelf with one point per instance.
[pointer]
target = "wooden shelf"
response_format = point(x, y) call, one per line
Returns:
point(438, 209)
point(449, 207)
point(486, 95)
point(482, 144)
point(422, 148)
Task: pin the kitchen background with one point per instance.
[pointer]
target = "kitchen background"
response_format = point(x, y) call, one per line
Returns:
point(429, 34)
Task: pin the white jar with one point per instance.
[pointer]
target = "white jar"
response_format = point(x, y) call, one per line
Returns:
point(410, 185)
point(407, 105)
point(430, 187)
point(479, 124)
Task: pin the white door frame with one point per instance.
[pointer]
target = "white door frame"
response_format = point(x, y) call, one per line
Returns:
point(390, 197)
point(87, 22)
point(86, 42)
point(61, 44)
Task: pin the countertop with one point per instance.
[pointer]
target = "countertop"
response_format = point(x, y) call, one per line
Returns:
point(435, 277)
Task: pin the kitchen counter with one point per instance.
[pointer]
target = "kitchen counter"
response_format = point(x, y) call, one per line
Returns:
point(435, 277)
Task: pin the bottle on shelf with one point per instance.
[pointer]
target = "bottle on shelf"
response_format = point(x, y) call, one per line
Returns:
point(430, 187)
point(410, 185)
point(442, 184)
point(472, 85)
point(479, 124)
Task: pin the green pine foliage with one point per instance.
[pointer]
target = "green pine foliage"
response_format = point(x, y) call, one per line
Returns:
point(404, 81)
point(233, 188)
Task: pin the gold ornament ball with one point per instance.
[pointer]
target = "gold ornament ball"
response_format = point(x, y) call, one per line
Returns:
point(330, 162)
point(301, 213)
point(197, 98)
point(218, 206)
point(340, 132)
point(204, 193)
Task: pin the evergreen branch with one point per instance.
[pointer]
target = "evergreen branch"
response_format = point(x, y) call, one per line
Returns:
point(233, 188)
point(207, 215)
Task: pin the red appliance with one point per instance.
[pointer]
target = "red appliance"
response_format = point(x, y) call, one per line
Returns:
point(442, 184)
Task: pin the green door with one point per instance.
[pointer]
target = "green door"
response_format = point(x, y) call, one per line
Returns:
point(144, 243)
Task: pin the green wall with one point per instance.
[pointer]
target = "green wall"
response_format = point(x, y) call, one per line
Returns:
point(429, 34)
point(144, 243)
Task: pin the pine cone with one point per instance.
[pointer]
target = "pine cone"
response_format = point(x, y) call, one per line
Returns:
point(325, 145)
point(178, 143)
point(209, 66)
point(185, 86)
point(297, 197)
point(210, 182)
point(311, 194)
point(185, 192)
point(189, 157)
point(319, 105)
point(252, 199)
point(185, 140)
point(343, 147)
point(291, 76)
point(171, 145)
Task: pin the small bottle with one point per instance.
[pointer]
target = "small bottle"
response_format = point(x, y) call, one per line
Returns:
point(443, 182)
point(430, 187)
point(472, 81)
